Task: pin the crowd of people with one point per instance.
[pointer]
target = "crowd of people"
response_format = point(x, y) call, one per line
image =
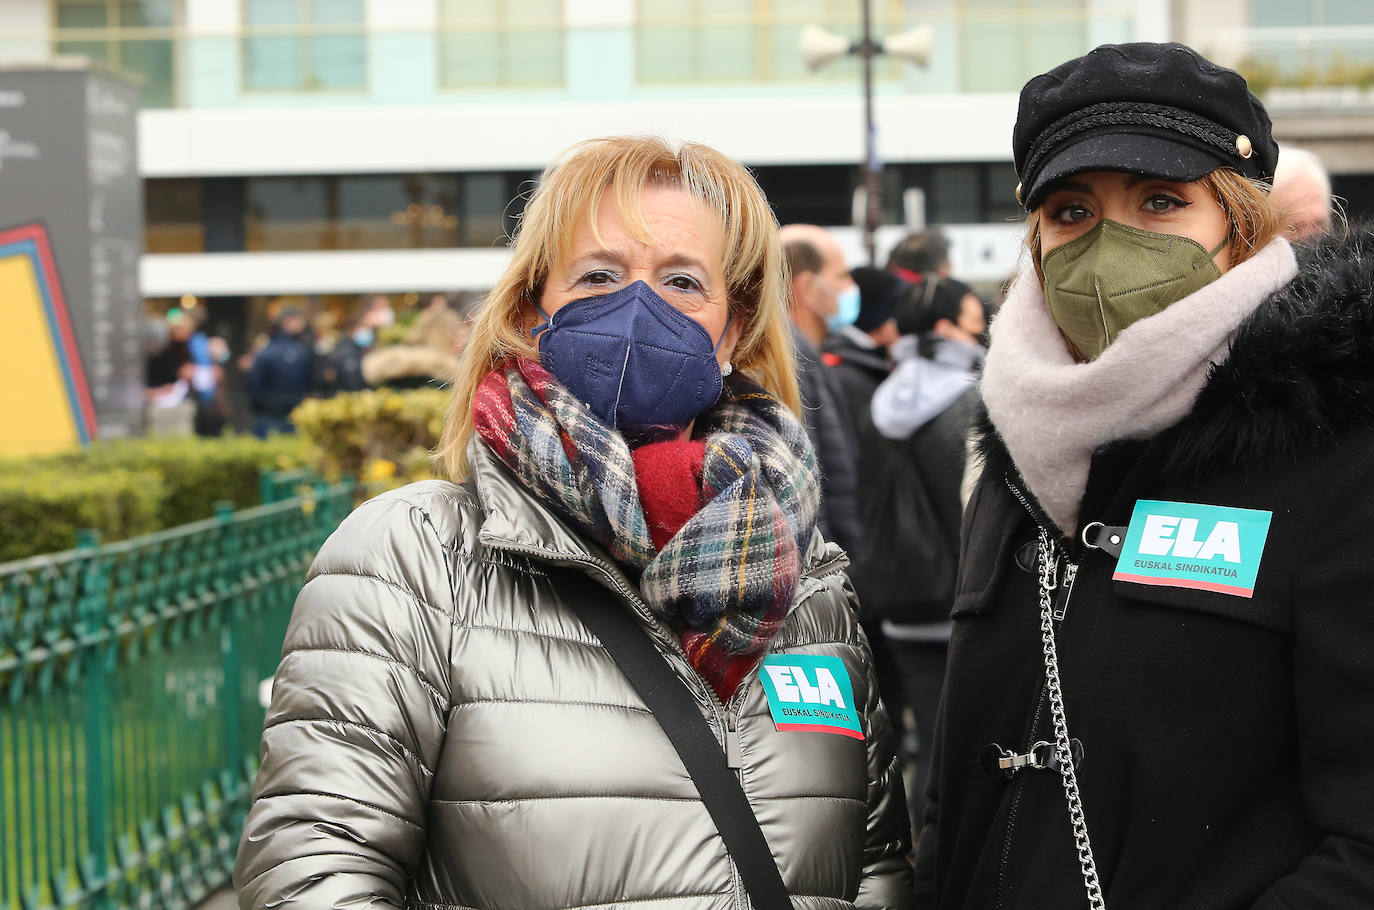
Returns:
point(887, 364)
point(191, 373)
point(737, 536)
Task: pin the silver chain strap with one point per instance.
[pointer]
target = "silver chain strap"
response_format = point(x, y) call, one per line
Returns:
point(1049, 563)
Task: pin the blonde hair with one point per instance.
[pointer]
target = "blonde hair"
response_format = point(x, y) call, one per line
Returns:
point(569, 193)
point(1253, 218)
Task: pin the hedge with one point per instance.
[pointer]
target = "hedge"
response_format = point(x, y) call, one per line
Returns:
point(44, 507)
point(385, 438)
point(126, 487)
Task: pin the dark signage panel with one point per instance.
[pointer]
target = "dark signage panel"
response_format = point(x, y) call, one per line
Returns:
point(68, 162)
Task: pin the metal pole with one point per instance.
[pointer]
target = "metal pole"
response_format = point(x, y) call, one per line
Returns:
point(872, 181)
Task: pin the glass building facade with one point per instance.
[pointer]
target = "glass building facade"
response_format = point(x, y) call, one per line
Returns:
point(283, 51)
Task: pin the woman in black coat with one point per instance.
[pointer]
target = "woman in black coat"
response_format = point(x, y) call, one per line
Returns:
point(1161, 681)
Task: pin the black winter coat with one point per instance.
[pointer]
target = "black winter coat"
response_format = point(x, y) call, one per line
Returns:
point(282, 375)
point(854, 373)
point(933, 456)
point(1228, 743)
point(825, 414)
point(343, 367)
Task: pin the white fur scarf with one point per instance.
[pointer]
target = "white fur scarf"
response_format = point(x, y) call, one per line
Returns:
point(1053, 412)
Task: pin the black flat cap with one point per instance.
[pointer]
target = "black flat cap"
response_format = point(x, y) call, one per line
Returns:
point(1159, 110)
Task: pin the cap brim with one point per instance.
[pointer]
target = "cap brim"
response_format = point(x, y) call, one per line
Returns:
point(1133, 153)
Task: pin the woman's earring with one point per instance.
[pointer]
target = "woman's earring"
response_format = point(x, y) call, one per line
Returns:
point(726, 370)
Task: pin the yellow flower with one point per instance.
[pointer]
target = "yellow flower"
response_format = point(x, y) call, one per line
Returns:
point(378, 469)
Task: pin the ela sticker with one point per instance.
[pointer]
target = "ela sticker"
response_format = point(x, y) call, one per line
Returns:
point(1188, 545)
point(810, 693)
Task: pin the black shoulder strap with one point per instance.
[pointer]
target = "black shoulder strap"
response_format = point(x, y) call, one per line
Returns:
point(677, 713)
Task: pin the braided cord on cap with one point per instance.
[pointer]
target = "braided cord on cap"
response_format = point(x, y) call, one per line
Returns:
point(1116, 113)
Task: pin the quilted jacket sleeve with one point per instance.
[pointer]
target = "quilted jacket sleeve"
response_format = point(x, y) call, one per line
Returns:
point(886, 881)
point(354, 730)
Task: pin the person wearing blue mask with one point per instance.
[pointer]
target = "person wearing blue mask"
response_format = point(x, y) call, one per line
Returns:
point(452, 724)
point(343, 367)
point(825, 299)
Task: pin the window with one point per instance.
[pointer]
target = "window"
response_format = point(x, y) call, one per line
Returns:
point(1002, 43)
point(686, 41)
point(304, 45)
point(133, 35)
point(496, 43)
point(955, 193)
point(174, 215)
point(809, 193)
point(381, 211)
point(699, 40)
point(999, 194)
point(1305, 13)
point(1331, 54)
point(1281, 13)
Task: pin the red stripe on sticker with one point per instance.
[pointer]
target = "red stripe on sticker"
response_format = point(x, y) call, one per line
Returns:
point(1199, 585)
point(818, 728)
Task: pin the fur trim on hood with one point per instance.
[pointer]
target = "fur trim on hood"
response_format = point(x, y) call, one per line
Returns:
point(1300, 371)
point(1301, 368)
point(407, 361)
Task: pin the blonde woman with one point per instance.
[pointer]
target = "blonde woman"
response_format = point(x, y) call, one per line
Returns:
point(446, 732)
point(1160, 690)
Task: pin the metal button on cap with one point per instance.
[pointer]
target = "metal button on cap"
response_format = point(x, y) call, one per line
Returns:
point(1244, 146)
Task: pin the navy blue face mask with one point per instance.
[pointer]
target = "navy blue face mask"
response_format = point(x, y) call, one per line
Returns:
point(638, 362)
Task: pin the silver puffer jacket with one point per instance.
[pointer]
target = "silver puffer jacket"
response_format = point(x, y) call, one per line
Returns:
point(444, 732)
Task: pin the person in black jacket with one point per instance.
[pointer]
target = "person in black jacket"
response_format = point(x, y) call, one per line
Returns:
point(921, 259)
point(342, 367)
point(922, 411)
point(1161, 677)
point(822, 296)
point(282, 375)
point(856, 361)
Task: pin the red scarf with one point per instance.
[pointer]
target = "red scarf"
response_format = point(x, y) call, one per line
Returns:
point(669, 477)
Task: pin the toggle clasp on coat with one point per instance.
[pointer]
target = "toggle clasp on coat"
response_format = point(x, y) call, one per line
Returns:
point(1041, 756)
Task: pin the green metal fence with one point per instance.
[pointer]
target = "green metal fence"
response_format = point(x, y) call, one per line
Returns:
point(132, 684)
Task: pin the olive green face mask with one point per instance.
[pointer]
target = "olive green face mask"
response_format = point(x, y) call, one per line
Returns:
point(1098, 284)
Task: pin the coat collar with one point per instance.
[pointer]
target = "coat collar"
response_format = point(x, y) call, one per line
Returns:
point(513, 518)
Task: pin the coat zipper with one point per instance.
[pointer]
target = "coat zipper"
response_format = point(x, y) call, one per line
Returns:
point(1061, 604)
point(724, 716)
point(1061, 556)
point(670, 642)
point(1061, 609)
point(1065, 568)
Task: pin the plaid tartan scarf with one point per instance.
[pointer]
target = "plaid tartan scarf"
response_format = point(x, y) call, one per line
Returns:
point(725, 582)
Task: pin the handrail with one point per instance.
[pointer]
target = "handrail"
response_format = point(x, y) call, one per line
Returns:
point(130, 707)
